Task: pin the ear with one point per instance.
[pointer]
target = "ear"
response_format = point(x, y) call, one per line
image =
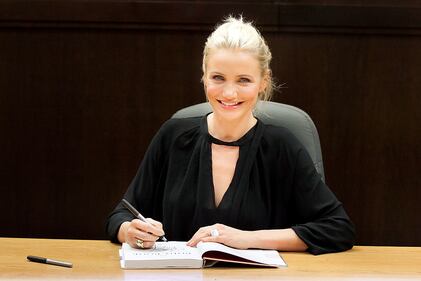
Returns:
point(205, 83)
point(265, 81)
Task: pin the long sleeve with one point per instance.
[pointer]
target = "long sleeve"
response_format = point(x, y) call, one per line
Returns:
point(143, 192)
point(322, 221)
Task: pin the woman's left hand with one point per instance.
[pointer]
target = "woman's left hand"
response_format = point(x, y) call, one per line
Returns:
point(223, 234)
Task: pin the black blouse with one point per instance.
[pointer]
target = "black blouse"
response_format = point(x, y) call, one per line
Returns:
point(275, 186)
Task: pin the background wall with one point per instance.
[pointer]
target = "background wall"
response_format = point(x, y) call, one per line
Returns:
point(84, 85)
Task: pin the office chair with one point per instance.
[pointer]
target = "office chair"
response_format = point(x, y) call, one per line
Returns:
point(278, 114)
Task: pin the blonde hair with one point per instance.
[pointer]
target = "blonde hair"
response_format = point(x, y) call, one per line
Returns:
point(236, 34)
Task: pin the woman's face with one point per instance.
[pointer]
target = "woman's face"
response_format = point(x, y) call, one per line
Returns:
point(233, 81)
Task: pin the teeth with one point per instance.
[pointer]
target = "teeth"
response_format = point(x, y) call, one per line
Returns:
point(229, 104)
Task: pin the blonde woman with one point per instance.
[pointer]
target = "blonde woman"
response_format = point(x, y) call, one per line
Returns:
point(227, 177)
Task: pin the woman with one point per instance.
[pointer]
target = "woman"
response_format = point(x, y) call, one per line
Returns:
point(227, 177)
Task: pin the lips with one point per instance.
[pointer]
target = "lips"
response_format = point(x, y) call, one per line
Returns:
point(229, 104)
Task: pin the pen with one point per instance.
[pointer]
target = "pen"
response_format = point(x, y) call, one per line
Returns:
point(138, 215)
point(49, 261)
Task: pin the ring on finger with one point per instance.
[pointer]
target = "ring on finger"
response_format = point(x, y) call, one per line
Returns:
point(139, 243)
point(214, 232)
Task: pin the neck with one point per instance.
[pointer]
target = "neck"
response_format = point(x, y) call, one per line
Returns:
point(229, 130)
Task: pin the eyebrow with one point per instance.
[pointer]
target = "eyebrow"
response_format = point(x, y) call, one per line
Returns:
point(240, 75)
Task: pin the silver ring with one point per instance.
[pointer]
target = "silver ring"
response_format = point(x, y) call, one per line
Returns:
point(214, 232)
point(139, 243)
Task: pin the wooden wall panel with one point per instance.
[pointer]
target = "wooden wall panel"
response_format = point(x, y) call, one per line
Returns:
point(84, 85)
point(81, 108)
point(361, 92)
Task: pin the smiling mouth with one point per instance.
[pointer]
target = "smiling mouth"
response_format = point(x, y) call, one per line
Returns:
point(230, 104)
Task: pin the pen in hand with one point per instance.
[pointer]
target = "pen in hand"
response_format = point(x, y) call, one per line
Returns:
point(138, 215)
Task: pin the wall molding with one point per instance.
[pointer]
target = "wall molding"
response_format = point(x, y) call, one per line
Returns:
point(403, 18)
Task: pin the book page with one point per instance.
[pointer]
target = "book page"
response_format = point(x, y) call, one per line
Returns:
point(164, 254)
point(217, 251)
point(162, 249)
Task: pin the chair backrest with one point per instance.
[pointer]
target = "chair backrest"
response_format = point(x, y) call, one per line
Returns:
point(277, 114)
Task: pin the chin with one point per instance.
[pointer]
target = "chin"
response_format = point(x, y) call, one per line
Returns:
point(230, 115)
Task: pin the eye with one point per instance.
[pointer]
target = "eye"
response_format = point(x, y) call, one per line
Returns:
point(217, 77)
point(244, 80)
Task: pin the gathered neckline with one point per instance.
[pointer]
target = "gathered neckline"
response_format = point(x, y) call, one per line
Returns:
point(241, 141)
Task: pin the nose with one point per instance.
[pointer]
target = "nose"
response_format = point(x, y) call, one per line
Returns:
point(229, 92)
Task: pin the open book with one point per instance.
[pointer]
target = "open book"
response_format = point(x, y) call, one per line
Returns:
point(178, 255)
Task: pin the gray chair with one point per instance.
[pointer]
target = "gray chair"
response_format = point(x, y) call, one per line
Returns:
point(278, 114)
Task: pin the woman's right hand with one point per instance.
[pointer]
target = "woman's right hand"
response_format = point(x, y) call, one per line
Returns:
point(148, 232)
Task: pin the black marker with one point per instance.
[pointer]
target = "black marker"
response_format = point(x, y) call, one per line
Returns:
point(139, 215)
point(49, 261)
